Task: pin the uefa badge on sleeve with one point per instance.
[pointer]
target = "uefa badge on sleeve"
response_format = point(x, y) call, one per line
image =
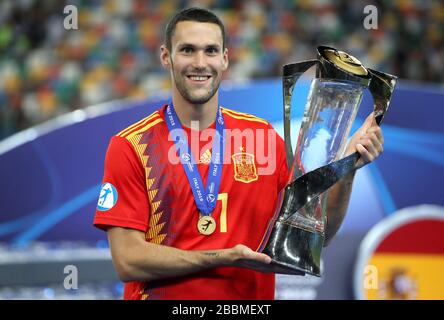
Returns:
point(107, 197)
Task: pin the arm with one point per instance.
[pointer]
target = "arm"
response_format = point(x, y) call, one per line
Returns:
point(368, 141)
point(146, 261)
point(337, 204)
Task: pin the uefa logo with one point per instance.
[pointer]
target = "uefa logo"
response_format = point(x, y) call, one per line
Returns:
point(211, 197)
point(186, 157)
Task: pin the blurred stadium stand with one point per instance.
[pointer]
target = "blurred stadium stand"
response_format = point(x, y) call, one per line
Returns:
point(46, 70)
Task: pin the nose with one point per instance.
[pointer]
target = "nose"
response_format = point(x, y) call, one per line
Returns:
point(199, 61)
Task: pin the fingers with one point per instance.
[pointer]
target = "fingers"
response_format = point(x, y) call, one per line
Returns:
point(369, 142)
point(377, 131)
point(366, 156)
point(367, 125)
point(369, 148)
point(377, 142)
point(262, 257)
point(373, 140)
point(256, 256)
point(369, 122)
point(245, 253)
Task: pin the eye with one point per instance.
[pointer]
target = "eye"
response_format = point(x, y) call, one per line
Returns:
point(212, 50)
point(187, 50)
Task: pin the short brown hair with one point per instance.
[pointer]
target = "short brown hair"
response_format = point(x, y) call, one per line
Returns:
point(192, 14)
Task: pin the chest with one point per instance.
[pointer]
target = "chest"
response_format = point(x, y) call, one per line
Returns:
point(245, 202)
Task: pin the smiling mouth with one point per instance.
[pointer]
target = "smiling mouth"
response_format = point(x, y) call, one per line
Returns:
point(198, 78)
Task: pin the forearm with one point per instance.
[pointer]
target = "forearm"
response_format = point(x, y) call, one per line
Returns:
point(337, 204)
point(135, 259)
point(367, 141)
point(152, 261)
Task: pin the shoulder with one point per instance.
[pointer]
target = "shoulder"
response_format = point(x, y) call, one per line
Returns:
point(133, 132)
point(242, 118)
point(128, 141)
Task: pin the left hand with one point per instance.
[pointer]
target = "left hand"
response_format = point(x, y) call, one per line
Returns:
point(368, 141)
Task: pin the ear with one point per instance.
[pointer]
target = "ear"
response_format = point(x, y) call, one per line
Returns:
point(165, 57)
point(225, 59)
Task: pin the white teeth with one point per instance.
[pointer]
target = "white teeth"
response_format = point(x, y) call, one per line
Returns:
point(197, 78)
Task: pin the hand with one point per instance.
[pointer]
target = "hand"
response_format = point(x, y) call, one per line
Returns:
point(242, 256)
point(368, 141)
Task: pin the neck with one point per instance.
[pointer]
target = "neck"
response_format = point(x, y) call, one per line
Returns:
point(187, 112)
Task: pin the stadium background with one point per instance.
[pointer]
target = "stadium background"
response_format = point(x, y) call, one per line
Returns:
point(64, 93)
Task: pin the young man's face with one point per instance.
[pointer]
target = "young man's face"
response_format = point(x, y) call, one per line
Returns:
point(197, 60)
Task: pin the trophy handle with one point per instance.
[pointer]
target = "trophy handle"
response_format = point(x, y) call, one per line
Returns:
point(381, 87)
point(291, 74)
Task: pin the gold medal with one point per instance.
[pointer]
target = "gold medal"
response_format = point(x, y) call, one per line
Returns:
point(206, 225)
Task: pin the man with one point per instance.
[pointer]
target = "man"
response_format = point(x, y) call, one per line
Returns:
point(185, 222)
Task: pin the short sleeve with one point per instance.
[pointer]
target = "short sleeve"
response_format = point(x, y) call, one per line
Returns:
point(123, 200)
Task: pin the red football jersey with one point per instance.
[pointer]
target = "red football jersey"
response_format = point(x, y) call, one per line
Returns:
point(145, 188)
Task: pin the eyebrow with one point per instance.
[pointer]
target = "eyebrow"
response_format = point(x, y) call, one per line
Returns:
point(212, 45)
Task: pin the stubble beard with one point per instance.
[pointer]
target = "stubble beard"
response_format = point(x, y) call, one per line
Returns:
point(187, 93)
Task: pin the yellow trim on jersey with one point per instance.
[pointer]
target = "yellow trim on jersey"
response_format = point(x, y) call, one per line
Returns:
point(238, 113)
point(127, 129)
point(144, 128)
point(249, 119)
point(243, 116)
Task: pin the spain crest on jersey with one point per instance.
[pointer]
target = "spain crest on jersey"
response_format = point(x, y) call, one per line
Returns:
point(244, 167)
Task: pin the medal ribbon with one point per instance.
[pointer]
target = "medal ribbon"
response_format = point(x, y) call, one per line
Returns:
point(205, 199)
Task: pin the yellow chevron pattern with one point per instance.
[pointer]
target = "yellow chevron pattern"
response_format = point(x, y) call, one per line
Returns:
point(152, 193)
point(153, 233)
point(155, 218)
point(155, 205)
point(149, 182)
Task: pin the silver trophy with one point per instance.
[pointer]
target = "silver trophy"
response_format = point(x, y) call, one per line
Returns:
point(295, 237)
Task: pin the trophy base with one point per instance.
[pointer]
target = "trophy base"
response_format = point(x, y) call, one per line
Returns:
point(294, 248)
point(275, 267)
